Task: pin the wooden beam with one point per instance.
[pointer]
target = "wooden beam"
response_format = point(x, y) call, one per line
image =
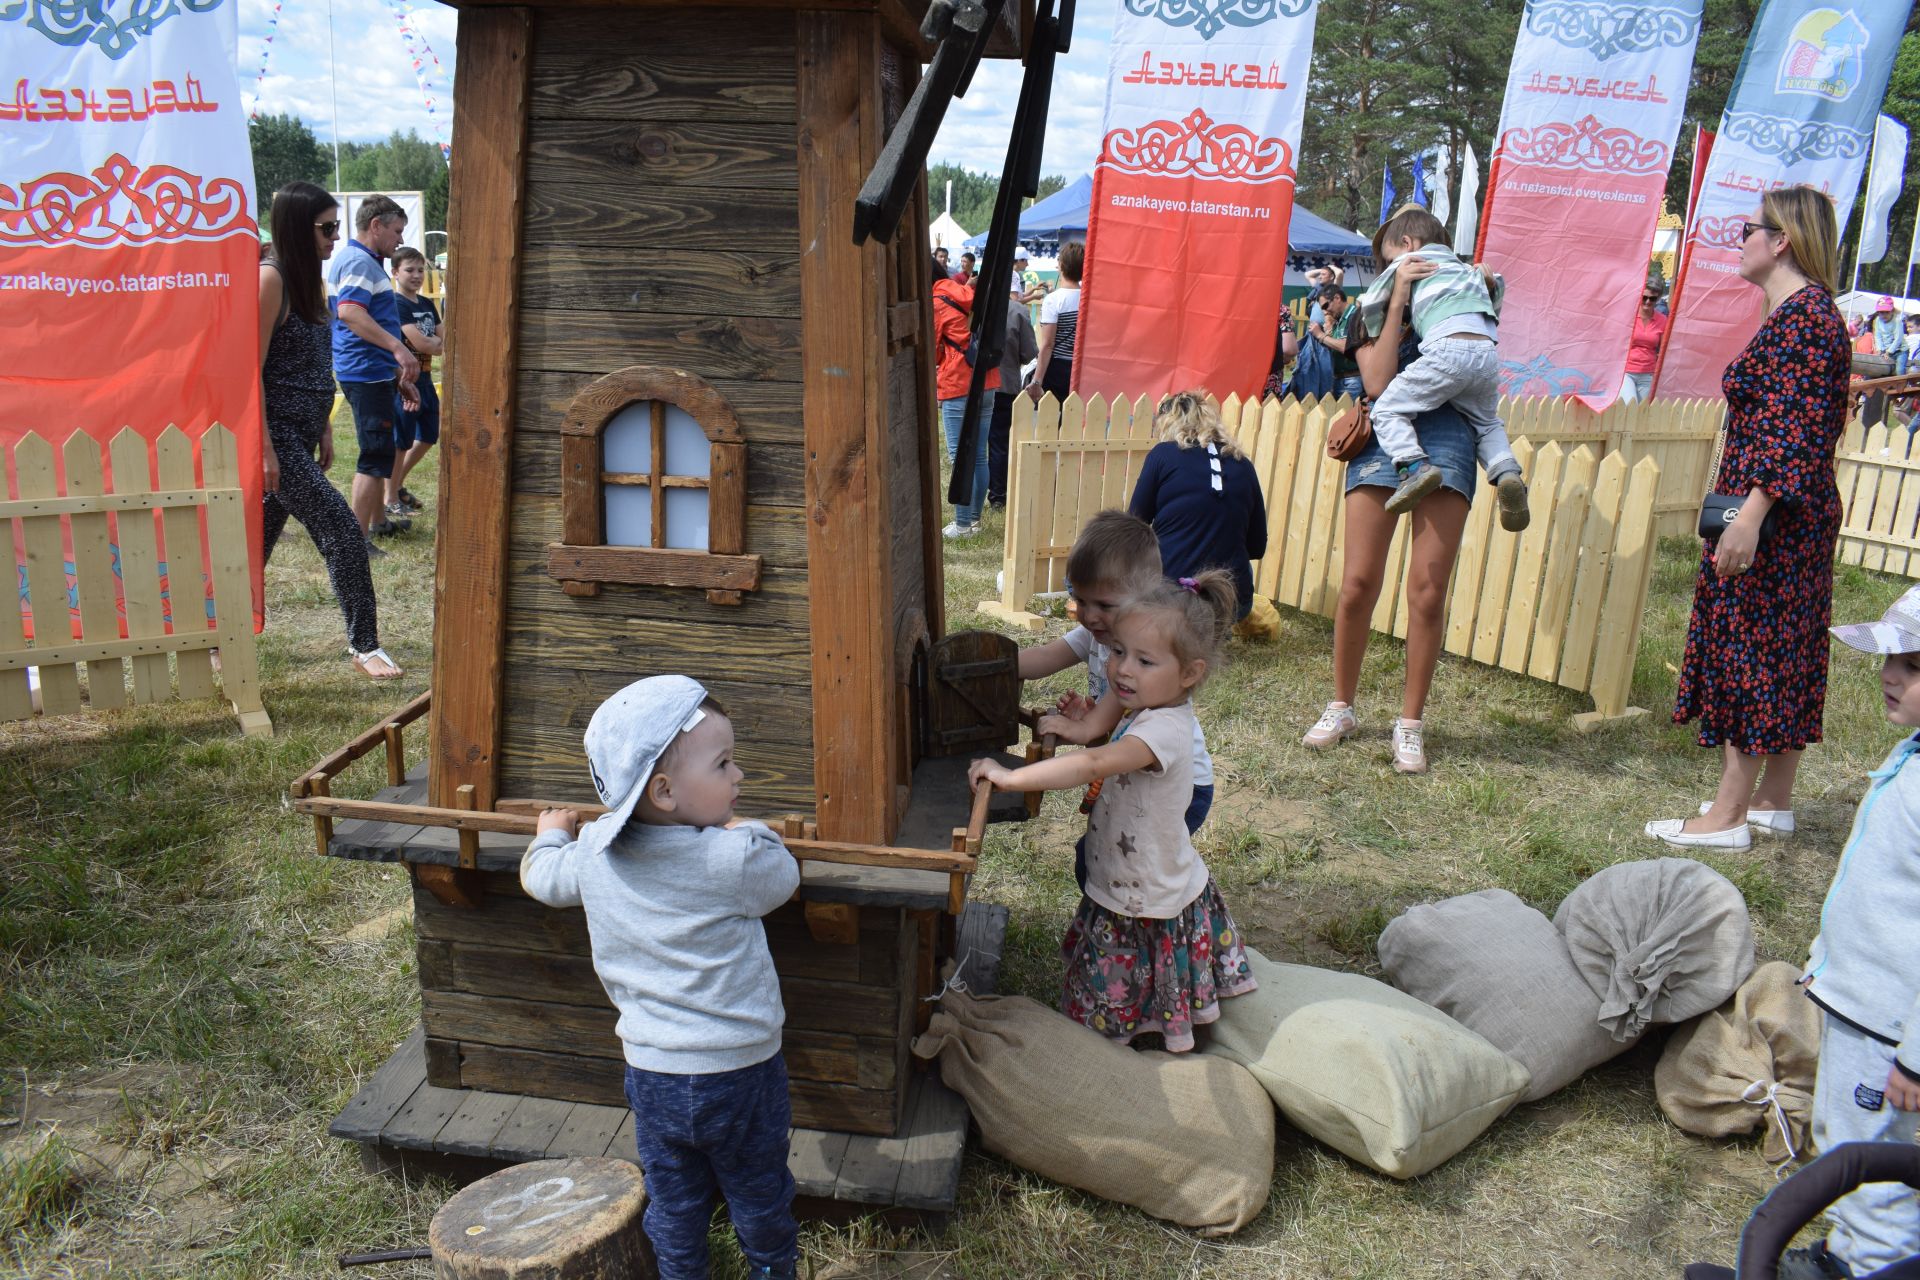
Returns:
point(653, 567)
point(843, 346)
point(842, 853)
point(485, 224)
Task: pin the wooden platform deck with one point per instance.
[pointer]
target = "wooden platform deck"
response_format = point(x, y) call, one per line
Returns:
point(919, 1170)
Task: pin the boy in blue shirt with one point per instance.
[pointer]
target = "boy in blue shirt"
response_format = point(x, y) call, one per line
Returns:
point(415, 430)
point(674, 887)
point(1864, 972)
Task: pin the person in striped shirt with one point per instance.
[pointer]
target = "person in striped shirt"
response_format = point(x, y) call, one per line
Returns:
point(1455, 311)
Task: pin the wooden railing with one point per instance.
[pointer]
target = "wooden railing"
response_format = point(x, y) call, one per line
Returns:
point(1561, 602)
point(311, 793)
point(132, 593)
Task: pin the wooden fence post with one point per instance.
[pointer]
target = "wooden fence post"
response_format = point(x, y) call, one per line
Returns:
point(232, 596)
point(1626, 602)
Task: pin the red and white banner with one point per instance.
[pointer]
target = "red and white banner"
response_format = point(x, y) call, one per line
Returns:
point(1192, 194)
point(1802, 110)
point(128, 247)
point(1593, 106)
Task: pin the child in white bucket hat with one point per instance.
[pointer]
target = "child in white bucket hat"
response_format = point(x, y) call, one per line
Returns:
point(1864, 971)
point(674, 887)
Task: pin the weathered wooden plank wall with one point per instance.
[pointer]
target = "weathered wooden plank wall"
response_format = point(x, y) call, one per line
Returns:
point(661, 228)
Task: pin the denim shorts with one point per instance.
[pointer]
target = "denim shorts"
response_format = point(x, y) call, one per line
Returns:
point(373, 404)
point(1449, 441)
point(422, 425)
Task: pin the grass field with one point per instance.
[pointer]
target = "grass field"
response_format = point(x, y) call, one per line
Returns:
point(189, 994)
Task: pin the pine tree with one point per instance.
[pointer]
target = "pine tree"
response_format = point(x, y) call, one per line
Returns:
point(284, 150)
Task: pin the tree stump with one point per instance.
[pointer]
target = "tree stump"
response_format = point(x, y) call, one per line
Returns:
point(576, 1219)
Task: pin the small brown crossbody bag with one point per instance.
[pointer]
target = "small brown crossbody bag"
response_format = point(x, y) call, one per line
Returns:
point(1350, 433)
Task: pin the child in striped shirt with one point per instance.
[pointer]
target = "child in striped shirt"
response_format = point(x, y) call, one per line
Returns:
point(1456, 310)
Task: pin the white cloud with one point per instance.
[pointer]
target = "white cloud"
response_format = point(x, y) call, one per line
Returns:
point(378, 91)
point(363, 64)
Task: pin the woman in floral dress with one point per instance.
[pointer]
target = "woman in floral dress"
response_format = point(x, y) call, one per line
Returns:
point(1755, 673)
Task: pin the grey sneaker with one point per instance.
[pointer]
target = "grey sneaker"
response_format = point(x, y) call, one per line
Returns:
point(375, 551)
point(1511, 493)
point(1417, 479)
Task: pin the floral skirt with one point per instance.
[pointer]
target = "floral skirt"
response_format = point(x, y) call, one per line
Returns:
point(1130, 976)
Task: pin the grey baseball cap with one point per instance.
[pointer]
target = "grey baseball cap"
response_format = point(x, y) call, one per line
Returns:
point(1898, 630)
point(625, 740)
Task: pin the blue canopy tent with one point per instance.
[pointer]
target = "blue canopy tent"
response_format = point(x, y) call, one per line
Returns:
point(1062, 212)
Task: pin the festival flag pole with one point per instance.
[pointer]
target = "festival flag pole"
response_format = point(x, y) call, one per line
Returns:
point(333, 75)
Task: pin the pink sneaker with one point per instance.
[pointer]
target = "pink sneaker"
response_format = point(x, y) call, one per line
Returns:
point(1409, 746)
point(1334, 724)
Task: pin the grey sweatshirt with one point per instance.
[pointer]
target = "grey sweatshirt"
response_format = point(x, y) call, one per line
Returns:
point(1865, 964)
point(674, 917)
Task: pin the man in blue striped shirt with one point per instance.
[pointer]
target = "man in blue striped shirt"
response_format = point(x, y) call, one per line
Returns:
point(369, 354)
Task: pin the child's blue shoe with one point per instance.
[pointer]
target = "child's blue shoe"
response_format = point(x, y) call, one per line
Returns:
point(1417, 479)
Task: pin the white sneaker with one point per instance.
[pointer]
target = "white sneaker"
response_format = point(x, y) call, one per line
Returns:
point(1409, 746)
point(1335, 723)
point(1773, 822)
point(1670, 830)
point(958, 530)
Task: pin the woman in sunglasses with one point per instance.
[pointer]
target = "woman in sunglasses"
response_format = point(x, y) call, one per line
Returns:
point(1755, 671)
point(296, 373)
point(1649, 331)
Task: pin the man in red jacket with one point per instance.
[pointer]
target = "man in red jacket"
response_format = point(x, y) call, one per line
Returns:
point(952, 330)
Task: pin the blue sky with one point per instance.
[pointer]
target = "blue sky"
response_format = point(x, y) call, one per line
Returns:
point(379, 92)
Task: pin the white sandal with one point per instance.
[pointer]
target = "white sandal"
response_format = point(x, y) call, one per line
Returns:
point(364, 664)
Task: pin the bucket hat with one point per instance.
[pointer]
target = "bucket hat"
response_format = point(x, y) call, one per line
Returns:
point(1898, 630)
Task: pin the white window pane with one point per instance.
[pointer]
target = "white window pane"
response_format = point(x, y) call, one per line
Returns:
point(686, 519)
point(629, 515)
point(688, 449)
point(627, 443)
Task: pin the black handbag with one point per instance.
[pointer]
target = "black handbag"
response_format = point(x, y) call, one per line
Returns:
point(1717, 511)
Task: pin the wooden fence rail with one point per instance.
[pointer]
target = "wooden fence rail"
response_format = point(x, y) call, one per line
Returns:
point(1561, 601)
point(133, 592)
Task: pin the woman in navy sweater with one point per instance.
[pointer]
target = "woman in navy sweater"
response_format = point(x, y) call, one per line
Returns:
point(1201, 496)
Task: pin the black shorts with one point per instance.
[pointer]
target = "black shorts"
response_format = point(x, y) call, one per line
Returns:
point(373, 406)
point(422, 425)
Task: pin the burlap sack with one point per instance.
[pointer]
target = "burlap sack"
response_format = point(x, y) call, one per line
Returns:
point(1500, 968)
point(1658, 941)
point(1370, 1071)
point(1749, 1062)
point(1183, 1137)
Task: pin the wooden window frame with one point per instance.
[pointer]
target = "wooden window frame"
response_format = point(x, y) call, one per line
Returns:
point(583, 562)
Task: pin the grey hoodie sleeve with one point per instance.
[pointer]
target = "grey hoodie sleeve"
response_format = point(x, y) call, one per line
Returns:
point(548, 870)
point(769, 874)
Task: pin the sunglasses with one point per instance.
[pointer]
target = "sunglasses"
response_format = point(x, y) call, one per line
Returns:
point(1748, 228)
point(328, 229)
point(1649, 297)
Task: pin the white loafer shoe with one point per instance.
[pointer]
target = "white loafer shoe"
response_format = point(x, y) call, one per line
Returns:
point(1773, 822)
point(1671, 830)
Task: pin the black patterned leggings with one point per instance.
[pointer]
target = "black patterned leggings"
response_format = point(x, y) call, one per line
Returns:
point(307, 496)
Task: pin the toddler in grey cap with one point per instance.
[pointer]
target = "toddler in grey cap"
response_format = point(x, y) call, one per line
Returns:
point(674, 886)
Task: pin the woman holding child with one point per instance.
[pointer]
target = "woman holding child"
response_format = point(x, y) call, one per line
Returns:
point(1755, 671)
point(1449, 443)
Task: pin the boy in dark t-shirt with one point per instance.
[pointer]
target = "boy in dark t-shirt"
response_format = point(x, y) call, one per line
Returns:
point(414, 432)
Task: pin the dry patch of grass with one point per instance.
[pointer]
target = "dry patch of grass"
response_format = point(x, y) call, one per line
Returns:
point(201, 994)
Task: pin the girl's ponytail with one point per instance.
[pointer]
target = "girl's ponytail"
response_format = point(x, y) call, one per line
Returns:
point(1200, 612)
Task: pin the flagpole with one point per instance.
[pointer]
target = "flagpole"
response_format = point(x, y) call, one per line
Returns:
point(333, 74)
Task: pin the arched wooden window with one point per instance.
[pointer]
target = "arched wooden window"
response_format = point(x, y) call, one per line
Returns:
point(653, 488)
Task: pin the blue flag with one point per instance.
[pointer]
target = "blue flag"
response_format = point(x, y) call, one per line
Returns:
point(1419, 195)
point(1386, 193)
